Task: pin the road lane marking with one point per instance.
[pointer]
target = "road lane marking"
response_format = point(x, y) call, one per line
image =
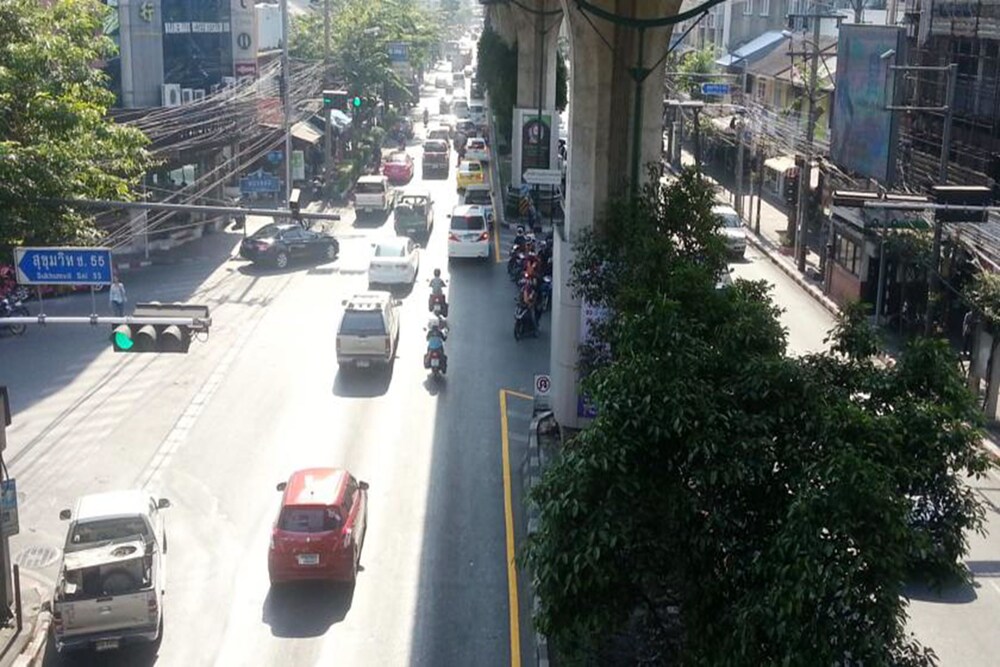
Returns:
point(508, 511)
point(496, 241)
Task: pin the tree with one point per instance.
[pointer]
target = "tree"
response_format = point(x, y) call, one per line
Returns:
point(56, 139)
point(693, 66)
point(497, 63)
point(731, 505)
point(562, 81)
point(361, 31)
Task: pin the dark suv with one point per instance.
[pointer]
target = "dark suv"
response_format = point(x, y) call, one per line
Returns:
point(437, 158)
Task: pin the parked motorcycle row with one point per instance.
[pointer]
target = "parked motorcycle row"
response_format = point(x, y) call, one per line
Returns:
point(529, 266)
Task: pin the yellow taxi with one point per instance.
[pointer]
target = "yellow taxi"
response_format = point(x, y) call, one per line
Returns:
point(470, 172)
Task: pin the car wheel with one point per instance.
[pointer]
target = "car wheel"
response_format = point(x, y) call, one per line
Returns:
point(281, 260)
point(331, 252)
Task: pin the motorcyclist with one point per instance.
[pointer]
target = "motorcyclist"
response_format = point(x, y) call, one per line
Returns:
point(437, 334)
point(437, 284)
point(520, 238)
point(529, 297)
point(426, 116)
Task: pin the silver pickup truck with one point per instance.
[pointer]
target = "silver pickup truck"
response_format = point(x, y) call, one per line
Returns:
point(111, 581)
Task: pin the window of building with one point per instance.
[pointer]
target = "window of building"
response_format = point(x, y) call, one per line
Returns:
point(761, 91)
point(848, 255)
point(748, 8)
point(765, 7)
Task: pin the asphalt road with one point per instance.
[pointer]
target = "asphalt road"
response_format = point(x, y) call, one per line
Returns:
point(958, 623)
point(214, 430)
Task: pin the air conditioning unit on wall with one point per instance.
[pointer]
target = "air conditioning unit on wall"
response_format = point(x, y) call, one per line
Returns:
point(171, 94)
point(187, 95)
point(199, 94)
point(228, 81)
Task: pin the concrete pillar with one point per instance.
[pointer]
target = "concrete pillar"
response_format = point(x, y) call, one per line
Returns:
point(600, 140)
point(536, 52)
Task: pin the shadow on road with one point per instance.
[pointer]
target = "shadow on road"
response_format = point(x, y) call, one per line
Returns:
point(362, 382)
point(984, 568)
point(263, 270)
point(371, 220)
point(957, 594)
point(306, 609)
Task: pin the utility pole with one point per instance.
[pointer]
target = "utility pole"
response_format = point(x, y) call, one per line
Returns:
point(286, 95)
point(933, 277)
point(805, 177)
point(327, 123)
point(740, 124)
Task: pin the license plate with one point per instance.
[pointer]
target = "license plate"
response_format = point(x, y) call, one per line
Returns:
point(106, 645)
point(435, 363)
point(308, 559)
point(363, 363)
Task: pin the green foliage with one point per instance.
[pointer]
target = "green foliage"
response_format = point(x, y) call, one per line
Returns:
point(562, 81)
point(748, 507)
point(361, 59)
point(56, 140)
point(692, 63)
point(984, 294)
point(497, 63)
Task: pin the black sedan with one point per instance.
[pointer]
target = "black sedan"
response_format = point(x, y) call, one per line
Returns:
point(280, 243)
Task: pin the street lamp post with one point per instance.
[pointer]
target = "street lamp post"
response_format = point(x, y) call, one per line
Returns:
point(286, 98)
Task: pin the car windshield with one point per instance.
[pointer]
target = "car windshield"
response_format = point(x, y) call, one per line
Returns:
point(268, 231)
point(435, 147)
point(476, 144)
point(398, 158)
point(471, 167)
point(105, 530)
point(729, 220)
point(481, 197)
point(373, 188)
point(439, 134)
point(310, 519)
point(362, 323)
point(468, 223)
point(390, 250)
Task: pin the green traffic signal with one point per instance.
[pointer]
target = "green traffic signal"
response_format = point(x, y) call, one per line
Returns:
point(356, 101)
point(123, 338)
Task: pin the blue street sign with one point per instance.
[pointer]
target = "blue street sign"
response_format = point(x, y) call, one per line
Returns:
point(259, 183)
point(399, 52)
point(715, 89)
point(63, 266)
point(276, 156)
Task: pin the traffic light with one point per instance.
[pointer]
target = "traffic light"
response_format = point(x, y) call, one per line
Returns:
point(357, 102)
point(972, 195)
point(335, 99)
point(163, 336)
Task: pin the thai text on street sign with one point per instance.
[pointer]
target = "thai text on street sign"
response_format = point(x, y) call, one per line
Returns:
point(715, 89)
point(63, 266)
point(542, 176)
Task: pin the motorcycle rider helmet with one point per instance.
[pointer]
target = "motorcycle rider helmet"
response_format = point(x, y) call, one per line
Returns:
point(437, 273)
point(520, 230)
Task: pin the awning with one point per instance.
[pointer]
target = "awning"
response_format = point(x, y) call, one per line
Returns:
point(756, 47)
point(303, 131)
point(780, 164)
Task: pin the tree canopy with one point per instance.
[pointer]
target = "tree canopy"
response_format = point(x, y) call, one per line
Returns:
point(497, 69)
point(360, 33)
point(56, 139)
point(732, 505)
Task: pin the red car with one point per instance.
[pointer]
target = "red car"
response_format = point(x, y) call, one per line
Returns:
point(398, 167)
point(320, 528)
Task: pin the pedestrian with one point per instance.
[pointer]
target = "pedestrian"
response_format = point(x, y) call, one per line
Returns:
point(117, 297)
point(968, 328)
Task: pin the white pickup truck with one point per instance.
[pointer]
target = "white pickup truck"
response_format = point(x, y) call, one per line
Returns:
point(373, 193)
point(111, 581)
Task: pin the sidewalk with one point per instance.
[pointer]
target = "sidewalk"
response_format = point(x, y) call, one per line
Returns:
point(20, 649)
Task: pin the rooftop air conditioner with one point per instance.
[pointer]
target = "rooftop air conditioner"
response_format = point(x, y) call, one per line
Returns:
point(214, 89)
point(187, 95)
point(171, 94)
point(199, 94)
point(228, 81)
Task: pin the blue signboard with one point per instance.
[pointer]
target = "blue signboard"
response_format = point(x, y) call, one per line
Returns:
point(63, 266)
point(399, 52)
point(715, 89)
point(259, 183)
point(9, 524)
point(275, 156)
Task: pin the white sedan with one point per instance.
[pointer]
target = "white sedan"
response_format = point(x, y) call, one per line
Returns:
point(395, 261)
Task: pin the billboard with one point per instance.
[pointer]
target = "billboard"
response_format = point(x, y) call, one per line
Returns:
point(536, 142)
point(197, 42)
point(243, 30)
point(864, 134)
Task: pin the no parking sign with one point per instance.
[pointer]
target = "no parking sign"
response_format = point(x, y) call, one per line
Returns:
point(543, 385)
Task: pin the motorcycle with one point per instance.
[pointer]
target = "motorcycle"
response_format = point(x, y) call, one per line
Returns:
point(545, 294)
point(436, 361)
point(7, 309)
point(438, 305)
point(523, 325)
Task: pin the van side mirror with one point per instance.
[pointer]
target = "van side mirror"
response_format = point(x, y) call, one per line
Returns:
point(162, 503)
point(281, 486)
point(363, 486)
point(65, 515)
